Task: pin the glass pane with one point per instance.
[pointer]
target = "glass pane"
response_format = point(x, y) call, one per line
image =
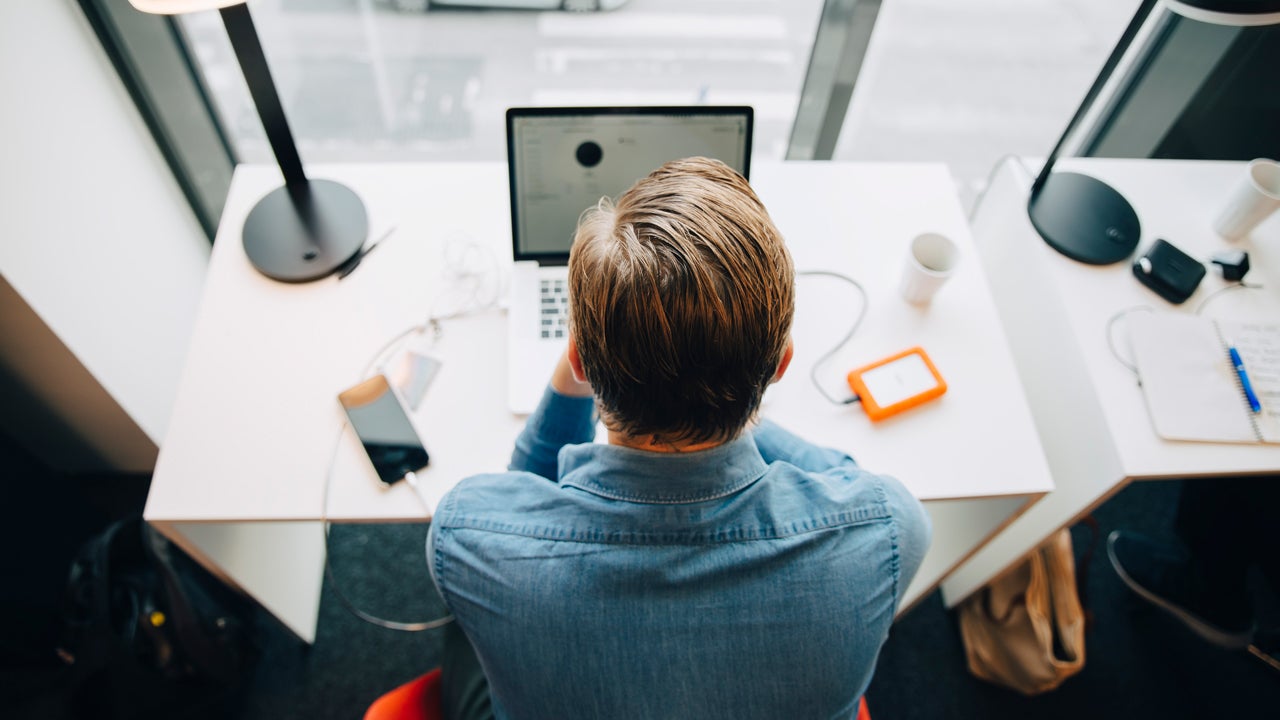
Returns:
point(969, 82)
point(1204, 92)
point(374, 80)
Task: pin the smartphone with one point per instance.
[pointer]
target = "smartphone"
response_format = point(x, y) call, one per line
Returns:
point(380, 421)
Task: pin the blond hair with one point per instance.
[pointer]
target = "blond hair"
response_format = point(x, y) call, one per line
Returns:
point(681, 298)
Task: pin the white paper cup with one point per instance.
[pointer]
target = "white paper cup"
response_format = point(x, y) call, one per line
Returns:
point(1256, 197)
point(930, 263)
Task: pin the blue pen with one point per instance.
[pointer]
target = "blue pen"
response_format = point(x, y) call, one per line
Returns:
point(1254, 405)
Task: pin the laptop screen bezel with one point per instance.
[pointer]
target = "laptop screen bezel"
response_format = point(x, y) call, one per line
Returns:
point(744, 111)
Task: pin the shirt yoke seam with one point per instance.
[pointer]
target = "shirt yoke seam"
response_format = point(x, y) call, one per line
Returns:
point(632, 539)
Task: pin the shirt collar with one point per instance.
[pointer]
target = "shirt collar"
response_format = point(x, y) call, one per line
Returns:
point(623, 473)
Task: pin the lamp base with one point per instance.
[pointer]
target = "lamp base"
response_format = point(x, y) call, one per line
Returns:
point(1084, 218)
point(303, 241)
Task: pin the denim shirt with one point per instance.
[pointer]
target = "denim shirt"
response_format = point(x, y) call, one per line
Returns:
point(756, 579)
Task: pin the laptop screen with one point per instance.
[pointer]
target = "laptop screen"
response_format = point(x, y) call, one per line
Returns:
point(563, 160)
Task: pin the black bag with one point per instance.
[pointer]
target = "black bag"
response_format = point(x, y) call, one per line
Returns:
point(146, 631)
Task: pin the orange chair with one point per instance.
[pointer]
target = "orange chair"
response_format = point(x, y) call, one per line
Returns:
point(417, 699)
point(420, 700)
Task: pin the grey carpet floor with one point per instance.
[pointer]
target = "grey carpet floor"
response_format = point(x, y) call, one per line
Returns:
point(1139, 663)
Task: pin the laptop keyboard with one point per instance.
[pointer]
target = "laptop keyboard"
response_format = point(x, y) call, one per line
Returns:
point(554, 307)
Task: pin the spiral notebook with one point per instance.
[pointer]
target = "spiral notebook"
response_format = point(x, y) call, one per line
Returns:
point(1192, 389)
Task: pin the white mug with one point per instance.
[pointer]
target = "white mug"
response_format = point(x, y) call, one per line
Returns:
point(931, 262)
point(1256, 197)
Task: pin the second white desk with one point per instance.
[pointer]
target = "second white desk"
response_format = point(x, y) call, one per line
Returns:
point(1088, 406)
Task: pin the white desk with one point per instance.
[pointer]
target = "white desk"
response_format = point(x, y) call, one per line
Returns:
point(240, 482)
point(1089, 409)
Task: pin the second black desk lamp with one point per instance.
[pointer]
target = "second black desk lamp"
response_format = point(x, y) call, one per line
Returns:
point(1078, 215)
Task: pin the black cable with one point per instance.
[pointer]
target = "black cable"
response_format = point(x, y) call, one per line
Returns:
point(862, 313)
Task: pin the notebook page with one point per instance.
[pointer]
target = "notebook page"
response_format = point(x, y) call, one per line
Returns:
point(1259, 347)
point(1187, 379)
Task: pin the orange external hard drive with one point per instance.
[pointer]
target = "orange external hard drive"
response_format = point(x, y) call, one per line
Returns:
point(899, 382)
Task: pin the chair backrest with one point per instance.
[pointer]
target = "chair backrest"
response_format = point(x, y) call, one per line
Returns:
point(418, 699)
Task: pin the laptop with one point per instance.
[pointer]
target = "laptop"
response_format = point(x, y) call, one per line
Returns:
point(561, 162)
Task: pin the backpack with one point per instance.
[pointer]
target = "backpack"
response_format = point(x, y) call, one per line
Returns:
point(145, 630)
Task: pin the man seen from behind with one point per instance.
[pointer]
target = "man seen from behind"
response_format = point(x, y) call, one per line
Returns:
point(702, 563)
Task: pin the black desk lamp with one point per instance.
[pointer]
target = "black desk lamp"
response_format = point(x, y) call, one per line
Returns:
point(309, 228)
point(1078, 215)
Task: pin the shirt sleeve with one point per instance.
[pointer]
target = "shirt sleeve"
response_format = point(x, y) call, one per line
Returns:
point(777, 444)
point(914, 530)
point(431, 558)
point(441, 519)
point(559, 420)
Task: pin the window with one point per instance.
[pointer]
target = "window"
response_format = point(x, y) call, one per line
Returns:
point(395, 80)
point(967, 82)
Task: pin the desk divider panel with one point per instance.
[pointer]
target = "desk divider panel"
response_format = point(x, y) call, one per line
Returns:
point(1072, 427)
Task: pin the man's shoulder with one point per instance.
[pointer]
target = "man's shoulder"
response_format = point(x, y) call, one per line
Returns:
point(490, 494)
point(877, 497)
point(875, 494)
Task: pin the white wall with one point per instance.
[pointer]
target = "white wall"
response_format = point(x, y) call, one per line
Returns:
point(95, 235)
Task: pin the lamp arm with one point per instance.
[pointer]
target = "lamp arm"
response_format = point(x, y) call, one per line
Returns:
point(253, 63)
point(1126, 39)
